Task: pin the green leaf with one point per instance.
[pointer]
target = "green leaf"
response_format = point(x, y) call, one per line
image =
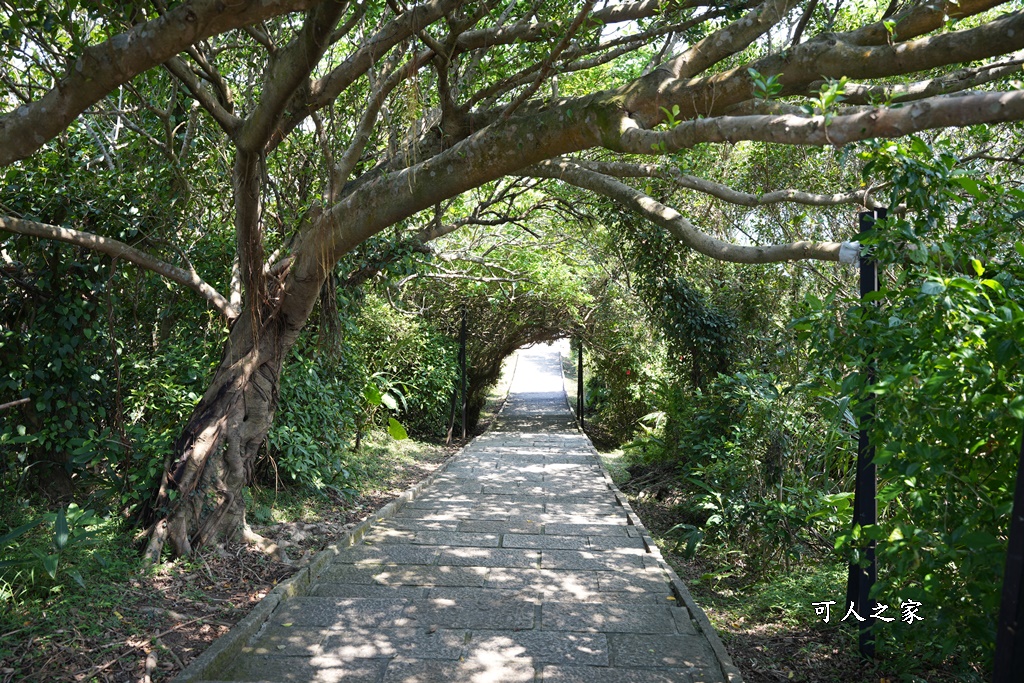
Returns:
point(971, 185)
point(933, 288)
point(372, 394)
point(396, 430)
point(21, 530)
point(50, 565)
point(994, 286)
point(60, 530)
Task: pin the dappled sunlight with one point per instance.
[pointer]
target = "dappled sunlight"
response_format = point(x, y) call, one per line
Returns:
point(520, 562)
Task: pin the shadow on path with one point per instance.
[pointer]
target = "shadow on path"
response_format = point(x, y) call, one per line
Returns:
point(519, 563)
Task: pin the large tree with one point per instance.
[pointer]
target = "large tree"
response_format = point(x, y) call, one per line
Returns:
point(404, 108)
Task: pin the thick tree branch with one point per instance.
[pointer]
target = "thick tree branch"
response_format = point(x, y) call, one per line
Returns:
point(936, 112)
point(681, 229)
point(829, 56)
point(325, 90)
point(289, 68)
point(118, 249)
point(103, 67)
point(729, 40)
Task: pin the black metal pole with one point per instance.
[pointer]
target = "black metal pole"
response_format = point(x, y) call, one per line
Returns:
point(579, 384)
point(462, 364)
point(865, 512)
point(1009, 660)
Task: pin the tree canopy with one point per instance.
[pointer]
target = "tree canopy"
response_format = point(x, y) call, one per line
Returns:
point(257, 151)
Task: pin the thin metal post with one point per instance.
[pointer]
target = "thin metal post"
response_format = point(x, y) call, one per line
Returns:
point(865, 512)
point(451, 414)
point(1009, 660)
point(579, 384)
point(462, 364)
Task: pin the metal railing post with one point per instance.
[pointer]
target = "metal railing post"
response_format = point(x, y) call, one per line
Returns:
point(462, 364)
point(1009, 660)
point(579, 384)
point(865, 511)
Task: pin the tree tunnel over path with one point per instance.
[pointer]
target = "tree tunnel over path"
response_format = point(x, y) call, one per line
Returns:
point(625, 168)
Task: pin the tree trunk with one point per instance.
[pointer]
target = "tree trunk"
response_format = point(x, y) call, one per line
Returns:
point(200, 498)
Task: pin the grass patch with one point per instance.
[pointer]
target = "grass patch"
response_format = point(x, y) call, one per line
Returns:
point(616, 463)
point(497, 393)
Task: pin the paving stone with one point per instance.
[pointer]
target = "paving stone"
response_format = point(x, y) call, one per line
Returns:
point(458, 538)
point(584, 559)
point(544, 541)
point(427, 515)
point(450, 515)
point(487, 596)
point(489, 557)
point(597, 509)
point(527, 501)
point(493, 670)
point(406, 524)
point(454, 614)
point(615, 543)
point(507, 509)
point(593, 674)
point(680, 651)
point(541, 646)
point(634, 581)
point(388, 535)
point(544, 580)
point(442, 501)
point(584, 520)
point(338, 613)
point(393, 553)
point(607, 618)
point(397, 575)
point(421, 643)
point(359, 590)
point(518, 563)
point(523, 474)
point(319, 669)
point(562, 488)
point(604, 528)
point(297, 641)
point(684, 623)
point(522, 526)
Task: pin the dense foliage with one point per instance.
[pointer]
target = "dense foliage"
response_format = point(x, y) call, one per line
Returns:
point(281, 227)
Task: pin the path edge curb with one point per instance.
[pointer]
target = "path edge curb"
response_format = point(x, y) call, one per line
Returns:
point(682, 593)
point(225, 648)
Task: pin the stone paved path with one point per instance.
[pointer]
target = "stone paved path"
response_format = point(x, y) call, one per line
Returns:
point(519, 563)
